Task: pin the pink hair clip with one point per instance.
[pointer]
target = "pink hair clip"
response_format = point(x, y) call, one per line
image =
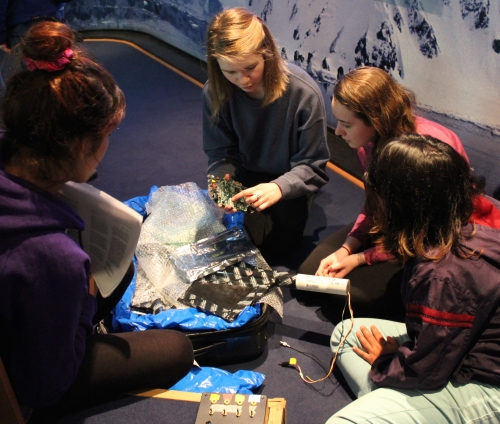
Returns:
point(57, 64)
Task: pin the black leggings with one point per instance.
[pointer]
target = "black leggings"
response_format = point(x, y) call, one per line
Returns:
point(118, 363)
point(277, 230)
point(106, 304)
point(375, 289)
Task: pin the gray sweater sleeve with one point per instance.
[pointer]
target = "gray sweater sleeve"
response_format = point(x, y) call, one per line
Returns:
point(307, 174)
point(286, 138)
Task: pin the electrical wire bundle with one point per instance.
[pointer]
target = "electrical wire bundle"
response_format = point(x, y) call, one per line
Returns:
point(292, 363)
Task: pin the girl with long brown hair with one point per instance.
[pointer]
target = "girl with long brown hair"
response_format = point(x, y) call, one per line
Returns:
point(442, 364)
point(264, 125)
point(370, 107)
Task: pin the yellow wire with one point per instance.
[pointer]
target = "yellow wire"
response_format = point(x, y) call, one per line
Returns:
point(309, 380)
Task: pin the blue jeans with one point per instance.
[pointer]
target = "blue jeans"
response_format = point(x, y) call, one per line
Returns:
point(472, 402)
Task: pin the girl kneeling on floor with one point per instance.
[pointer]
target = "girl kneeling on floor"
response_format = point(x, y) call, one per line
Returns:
point(264, 124)
point(370, 107)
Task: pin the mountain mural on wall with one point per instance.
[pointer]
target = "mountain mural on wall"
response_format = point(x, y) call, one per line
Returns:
point(447, 51)
point(444, 50)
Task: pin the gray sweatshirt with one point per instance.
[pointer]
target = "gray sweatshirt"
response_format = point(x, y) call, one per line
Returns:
point(286, 138)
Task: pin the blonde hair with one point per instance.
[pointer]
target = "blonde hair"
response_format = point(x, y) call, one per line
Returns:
point(378, 100)
point(232, 35)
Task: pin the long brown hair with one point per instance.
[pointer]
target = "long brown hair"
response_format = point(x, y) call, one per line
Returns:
point(50, 116)
point(379, 100)
point(232, 35)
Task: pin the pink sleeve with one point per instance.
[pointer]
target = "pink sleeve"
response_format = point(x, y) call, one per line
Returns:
point(363, 223)
point(374, 255)
point(426, 127)
point(360, 229)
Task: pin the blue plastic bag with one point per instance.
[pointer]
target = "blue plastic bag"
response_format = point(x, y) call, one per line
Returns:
point(207, 379)
point(189, 319)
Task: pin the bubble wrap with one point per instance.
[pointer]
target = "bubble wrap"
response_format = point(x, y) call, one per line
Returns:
point(274, 298)
point(147, 299)
point(154, 260)
point(179, 215)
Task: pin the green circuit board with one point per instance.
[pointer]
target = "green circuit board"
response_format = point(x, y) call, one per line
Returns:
point(221, 191)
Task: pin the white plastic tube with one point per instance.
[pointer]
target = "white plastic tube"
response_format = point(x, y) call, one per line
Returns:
point(322, 284)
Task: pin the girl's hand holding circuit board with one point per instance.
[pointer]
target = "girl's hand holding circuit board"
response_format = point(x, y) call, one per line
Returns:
point(261, 196)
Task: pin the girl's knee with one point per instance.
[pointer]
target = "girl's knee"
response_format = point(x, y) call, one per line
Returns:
point(341, 329)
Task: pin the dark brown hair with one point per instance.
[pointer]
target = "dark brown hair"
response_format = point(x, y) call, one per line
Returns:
point(50, 116)
point(420, 194)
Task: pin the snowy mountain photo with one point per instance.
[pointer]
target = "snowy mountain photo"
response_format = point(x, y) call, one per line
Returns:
point(447, 51)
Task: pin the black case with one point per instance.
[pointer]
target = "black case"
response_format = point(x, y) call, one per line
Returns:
point(216, 347)
point(232, 345)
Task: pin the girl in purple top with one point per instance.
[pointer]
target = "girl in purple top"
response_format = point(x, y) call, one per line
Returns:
point(370, 108)
point(57, 117)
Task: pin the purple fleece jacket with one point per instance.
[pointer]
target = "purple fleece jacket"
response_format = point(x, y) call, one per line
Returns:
point(45, 307)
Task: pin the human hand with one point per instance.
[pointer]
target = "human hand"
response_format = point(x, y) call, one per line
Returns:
point(344, 266)
point(374, 344)
point(333, 259)
point(5, 48)
point(261, 196)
